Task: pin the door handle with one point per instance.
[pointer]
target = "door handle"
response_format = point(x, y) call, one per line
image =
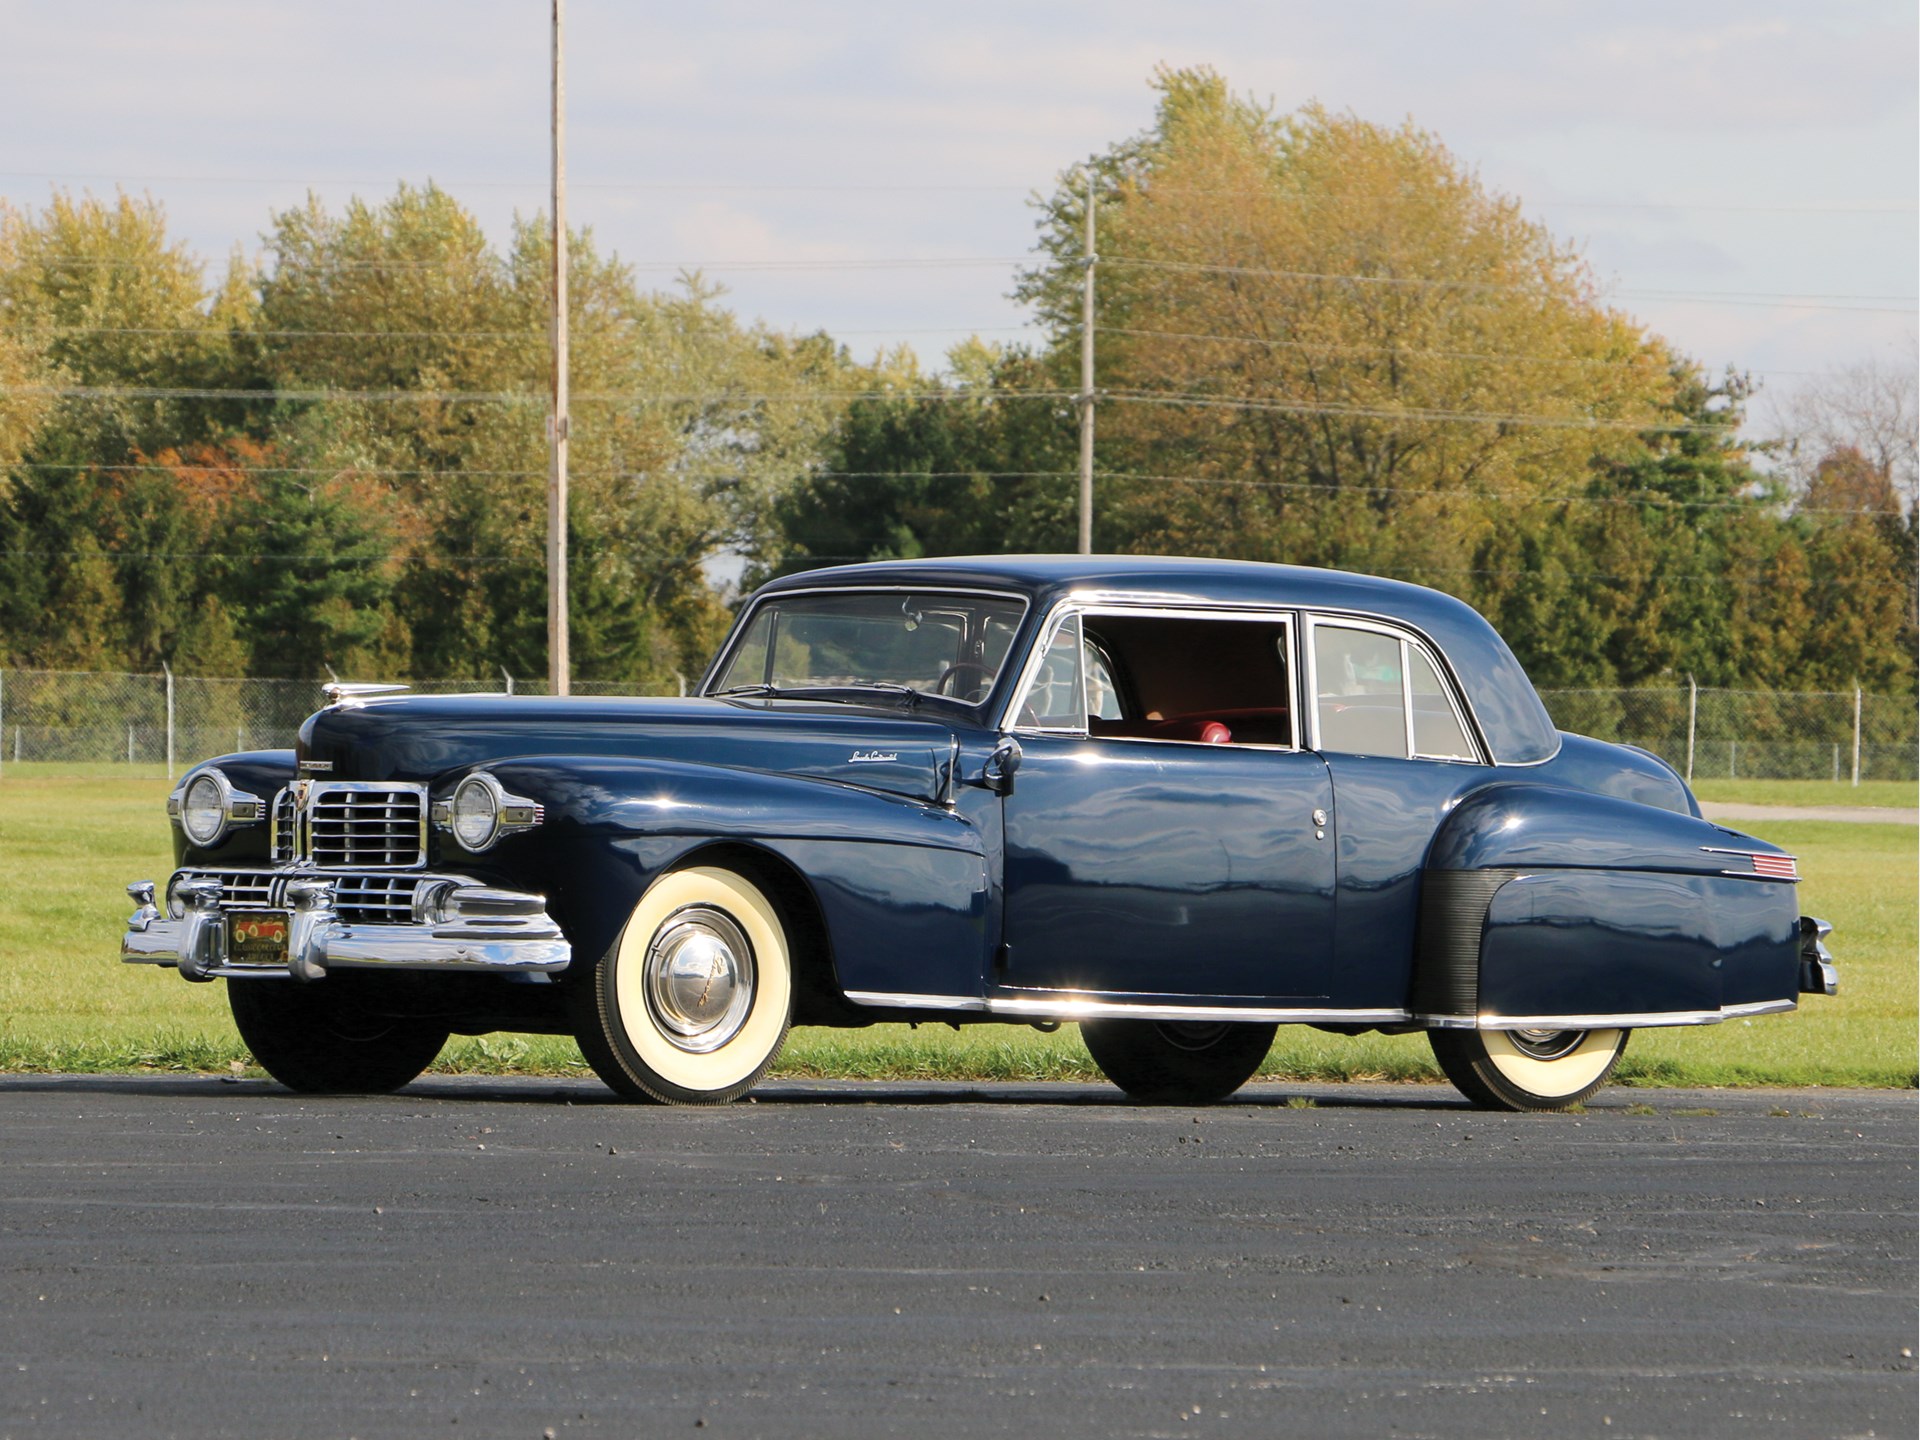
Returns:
point(1319, 824)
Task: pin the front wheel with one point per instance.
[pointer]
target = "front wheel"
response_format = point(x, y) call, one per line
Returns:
point(1177, 1062)
point(1527, 1069)
point(316, 1039)
point(692, 1003)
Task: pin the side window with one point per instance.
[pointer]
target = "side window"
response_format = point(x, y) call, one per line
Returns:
point(1437, 731)
point(1362, 704)
point(1057, 700)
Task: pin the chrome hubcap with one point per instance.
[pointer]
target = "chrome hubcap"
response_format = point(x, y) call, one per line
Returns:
point(699, 974)
point(1547, 1044)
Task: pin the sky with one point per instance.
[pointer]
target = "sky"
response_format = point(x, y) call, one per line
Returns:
point(1742, 179)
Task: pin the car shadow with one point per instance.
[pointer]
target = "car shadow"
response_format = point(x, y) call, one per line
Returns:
point(803, 1094)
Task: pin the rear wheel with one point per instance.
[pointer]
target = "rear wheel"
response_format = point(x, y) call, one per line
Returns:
point(319, 1039)
point(692, 1003)
point(1177, 1062)
point(1527, 1069)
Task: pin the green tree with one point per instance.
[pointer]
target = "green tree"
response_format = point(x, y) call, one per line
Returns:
point(967, 464)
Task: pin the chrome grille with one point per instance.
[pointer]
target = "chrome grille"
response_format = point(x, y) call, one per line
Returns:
point(375, 899)
point(383, 826)
point(281, 831)
point(245, 889)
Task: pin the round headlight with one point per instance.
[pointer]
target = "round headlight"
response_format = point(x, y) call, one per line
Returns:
point(203, 809)
point(476, 813)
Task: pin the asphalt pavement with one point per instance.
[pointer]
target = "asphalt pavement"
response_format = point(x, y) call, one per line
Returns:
point(473, 1257)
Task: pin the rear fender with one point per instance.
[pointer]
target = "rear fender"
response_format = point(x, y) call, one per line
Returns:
point(1541, 903)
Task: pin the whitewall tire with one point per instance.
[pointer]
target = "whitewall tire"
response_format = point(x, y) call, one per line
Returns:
point(692, 1003)
point(1527, 1069)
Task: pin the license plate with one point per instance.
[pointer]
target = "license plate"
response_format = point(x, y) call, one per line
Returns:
point(257, 937)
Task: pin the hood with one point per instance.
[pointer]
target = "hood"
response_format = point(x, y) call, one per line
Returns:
point(428, 738)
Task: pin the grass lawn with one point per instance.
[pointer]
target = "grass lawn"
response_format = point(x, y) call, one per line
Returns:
point(1897, 794)
point(70, 838)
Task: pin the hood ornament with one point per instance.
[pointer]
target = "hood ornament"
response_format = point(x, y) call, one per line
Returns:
point(347, 695)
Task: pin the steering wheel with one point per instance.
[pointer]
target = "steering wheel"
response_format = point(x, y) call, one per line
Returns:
point(976, 675)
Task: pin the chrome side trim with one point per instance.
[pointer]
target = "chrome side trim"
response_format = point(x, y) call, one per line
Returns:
point(1087, 1007)
point(1760, 1007)
point(886, 1000)
point(1642, 1021)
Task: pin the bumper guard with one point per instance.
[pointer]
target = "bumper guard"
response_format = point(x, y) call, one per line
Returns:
point(1818, 974)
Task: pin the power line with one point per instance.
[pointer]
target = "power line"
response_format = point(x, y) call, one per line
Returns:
point(1788, 298)
point(212, 331)
point(1419, 415)
point(304, 267)
point(482, 397)
point(1871, 582)
point(539, 186)
point(1647, 499)
point(1329, 348)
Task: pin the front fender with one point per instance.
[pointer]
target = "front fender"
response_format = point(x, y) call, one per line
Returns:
point(262, 773)
point(592, 794)
point(900, 885)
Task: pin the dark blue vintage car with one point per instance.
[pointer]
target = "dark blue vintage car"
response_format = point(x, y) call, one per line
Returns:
point(1179, 802)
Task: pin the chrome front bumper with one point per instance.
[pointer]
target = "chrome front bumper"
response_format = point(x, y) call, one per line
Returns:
point(457, 925)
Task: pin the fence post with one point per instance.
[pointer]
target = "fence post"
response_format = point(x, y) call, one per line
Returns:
point(168, 670)
point(1693, 721)
point(508, 678)
point(1856, 734)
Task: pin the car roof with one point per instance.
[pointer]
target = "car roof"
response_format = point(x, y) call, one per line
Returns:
point(1516, 724)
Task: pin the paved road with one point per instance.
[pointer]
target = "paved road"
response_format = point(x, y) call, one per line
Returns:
point(517, 1258)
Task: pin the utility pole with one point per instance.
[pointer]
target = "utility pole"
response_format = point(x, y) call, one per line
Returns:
point(1087, 262)
point(559, 666)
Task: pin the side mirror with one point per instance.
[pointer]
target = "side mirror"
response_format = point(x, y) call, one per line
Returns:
point(997, 774)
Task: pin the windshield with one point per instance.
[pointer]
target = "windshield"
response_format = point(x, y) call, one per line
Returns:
point(924, 642)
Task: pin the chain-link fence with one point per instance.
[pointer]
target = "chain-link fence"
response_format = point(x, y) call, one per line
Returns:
point(1753, 734)
point(80, 717)
point(83, 717)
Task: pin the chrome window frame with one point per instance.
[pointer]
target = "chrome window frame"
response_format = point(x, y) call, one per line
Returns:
point(1407, 636)
point(1081, 607)
point(745, 622)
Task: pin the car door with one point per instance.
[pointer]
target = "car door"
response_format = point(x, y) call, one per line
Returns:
point(1140, 860)
point(1398, 743)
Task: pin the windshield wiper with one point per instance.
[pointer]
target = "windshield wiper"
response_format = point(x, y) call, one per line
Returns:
point(734, 691)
